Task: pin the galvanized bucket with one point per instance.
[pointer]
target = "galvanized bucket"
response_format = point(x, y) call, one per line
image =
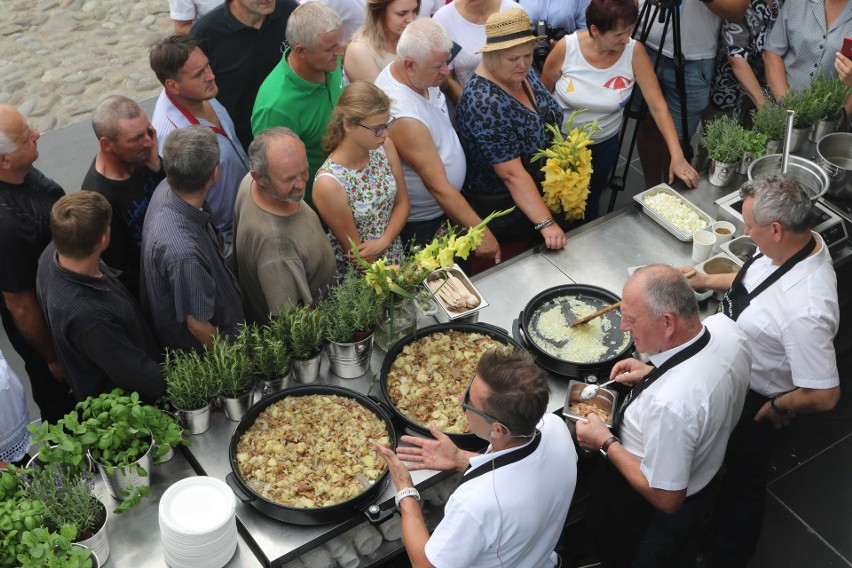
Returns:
point(236, 408)
point(721, 173)
point(306, 371)
point(197, 421)
point(99, 542)
point(126, 477)
point(350, 360)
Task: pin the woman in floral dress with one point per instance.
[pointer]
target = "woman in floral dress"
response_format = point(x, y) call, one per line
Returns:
point(360, 190)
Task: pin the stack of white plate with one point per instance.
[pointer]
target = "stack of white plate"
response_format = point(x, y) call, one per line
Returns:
point(197, 523)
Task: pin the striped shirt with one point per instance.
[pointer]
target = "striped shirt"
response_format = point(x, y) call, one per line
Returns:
point(233, 162)
point(800, 37)
point(184, 273)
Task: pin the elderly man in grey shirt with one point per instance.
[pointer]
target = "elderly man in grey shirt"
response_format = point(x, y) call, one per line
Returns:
point(187, 290)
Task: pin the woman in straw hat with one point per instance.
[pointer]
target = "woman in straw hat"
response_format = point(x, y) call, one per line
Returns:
point(596, 70)
point(501, 120)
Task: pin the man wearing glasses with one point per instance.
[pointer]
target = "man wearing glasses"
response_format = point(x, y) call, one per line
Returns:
point(512, 500)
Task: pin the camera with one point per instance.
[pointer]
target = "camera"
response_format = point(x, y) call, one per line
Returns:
point(542, 40)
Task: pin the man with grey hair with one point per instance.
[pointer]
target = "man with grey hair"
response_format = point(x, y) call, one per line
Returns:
point(283, 255)
point(26, 196)
point(126, 170)
point(655, 487)
point(189, 98)
point(304, 87)
point(188, 291)
point(785, 300)
point(432, 156)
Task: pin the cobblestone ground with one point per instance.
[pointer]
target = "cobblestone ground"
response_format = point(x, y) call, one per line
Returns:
point(58, 58)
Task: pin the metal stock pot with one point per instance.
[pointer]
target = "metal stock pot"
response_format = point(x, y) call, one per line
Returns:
point(834, 155)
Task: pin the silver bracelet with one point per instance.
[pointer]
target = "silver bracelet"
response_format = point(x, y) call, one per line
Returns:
point(545, 223)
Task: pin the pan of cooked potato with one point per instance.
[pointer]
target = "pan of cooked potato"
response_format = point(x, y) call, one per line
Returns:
point(423, 375)
point(303, 455)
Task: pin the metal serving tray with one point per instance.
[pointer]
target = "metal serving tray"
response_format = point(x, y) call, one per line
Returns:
point(605, 400)
point(676, 232)
point(444, 314)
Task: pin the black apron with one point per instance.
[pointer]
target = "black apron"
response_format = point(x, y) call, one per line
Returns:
point(502, 460)
point(737, 298)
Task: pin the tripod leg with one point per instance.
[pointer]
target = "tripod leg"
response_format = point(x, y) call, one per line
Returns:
point(680, 81)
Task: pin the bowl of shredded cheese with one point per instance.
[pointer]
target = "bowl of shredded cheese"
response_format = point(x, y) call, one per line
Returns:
point(671, 211)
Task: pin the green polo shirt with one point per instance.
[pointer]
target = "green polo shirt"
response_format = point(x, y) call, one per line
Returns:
point(285, 99)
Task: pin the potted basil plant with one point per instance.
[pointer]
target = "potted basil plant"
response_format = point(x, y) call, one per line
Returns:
point(352, 310)
point(755, 147)
point(191, 387)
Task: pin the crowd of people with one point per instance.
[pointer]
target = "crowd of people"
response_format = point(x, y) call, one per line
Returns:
point(288, 136)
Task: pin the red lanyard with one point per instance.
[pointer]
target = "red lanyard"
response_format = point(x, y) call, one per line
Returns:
point(194, 121)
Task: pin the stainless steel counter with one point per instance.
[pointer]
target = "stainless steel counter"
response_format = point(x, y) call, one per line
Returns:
point(134, 536)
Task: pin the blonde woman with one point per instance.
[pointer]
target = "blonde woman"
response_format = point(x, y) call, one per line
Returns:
point(374, 46)
point(360, 189)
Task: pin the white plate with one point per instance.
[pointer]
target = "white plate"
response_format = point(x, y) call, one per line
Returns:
point(197, 506)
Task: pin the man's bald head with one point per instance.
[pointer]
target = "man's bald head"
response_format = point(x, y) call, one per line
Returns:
point(665, 290)
point(10, 120)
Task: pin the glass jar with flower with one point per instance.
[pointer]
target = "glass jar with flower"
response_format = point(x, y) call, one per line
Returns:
point(400, 285)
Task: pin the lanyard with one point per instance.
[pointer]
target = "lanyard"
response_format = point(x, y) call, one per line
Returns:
point(194, 121)
point(737, 298)
point(502, 460)
point(658, 372)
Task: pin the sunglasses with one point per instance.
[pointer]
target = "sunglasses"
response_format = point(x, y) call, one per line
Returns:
point(380, 129)
point(466, 404)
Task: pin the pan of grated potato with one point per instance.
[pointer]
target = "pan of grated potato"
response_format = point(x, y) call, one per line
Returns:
point(424, 374)
point(544, 326)
point(303, 455)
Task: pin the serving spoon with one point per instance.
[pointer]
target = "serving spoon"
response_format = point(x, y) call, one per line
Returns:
point(591, 391)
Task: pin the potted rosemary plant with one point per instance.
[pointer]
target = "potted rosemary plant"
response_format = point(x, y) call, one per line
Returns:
point(770, 121)
point(68, 499)
point(807, 105)
point(230, 363)
point(269, 359)
point(830, 94)
point(190, 386)
point(352, 310)
point(724, 139)
point(306, 341)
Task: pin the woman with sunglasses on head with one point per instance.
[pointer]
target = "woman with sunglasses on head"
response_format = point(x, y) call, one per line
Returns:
point(360, 189)
point(501, 120)
point(373, 47)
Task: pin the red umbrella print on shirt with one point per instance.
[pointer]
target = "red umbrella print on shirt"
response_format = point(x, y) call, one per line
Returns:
point(619, 83)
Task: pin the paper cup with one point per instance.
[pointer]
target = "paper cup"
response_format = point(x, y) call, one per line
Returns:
point(724, 232)
point(702, 245)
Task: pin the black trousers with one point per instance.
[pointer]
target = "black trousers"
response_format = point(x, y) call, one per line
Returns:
point(629, 531)
point(53, 398)
point(741, 502)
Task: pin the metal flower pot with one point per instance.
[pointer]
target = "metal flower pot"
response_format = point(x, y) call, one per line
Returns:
point(307, 371)
point(821, 128)
point(350, 360)
point(266, 386)
point(197, 420)
point(797, 138)
point(744, 163)
point(236, 408)
point(774, 146)
point(127, 477)
point(99, 541)
point(96, 562)
point(721, 173)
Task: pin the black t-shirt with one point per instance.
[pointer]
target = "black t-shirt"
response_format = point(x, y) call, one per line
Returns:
point(241, 57)
point(129, 199)
point(24, 228)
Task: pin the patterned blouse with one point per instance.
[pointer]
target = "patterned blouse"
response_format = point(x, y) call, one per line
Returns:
point(372, 193)
point(745, 39)
point(495, 128)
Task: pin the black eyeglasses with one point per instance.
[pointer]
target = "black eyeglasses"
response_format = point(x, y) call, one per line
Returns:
point(466, 404)
point(378, 130)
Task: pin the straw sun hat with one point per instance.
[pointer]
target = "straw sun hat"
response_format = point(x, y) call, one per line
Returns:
point(507, 29)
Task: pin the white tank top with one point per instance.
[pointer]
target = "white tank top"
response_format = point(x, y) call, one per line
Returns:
point(602, 92)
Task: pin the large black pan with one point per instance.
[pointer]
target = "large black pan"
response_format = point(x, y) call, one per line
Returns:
point(592, 295)
point(300, 516)
point(465, 441)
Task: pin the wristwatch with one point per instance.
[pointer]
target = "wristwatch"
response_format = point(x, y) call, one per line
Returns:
point(605, 446)
point(407, 492)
